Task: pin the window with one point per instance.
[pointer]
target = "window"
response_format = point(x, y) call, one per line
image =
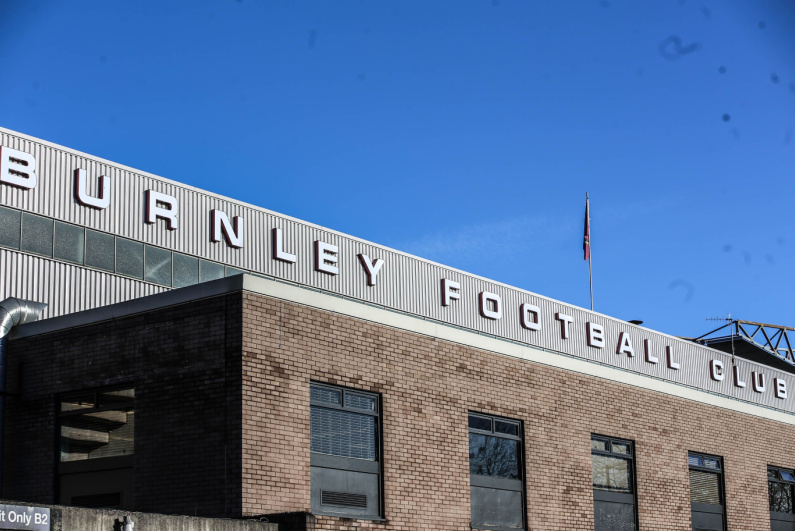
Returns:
point(100, 250)
point(780, 485)
point(613, 467)
point(129, 258)
point(345, 452)
point(10, 226)
point(210, 271)
point(706, 492)
point(96, 436)
point(496, 479)
point(36, 234)
point(69, 242)
point(186, 270)
point(157, 265)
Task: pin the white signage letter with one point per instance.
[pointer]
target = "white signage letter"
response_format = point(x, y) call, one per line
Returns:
point(102, 201)
point(371, 268)
point(326, 258)
point(167, 212)
point(716, 370)
point(450, 291)
point(625, 345)
point(530, 316)
point(780, 386)
point(758, 381)
point(486, 310)
point(596, 335)
point(220, 224)
point(277, 246)
point(565, 321)
point(669, 356)
point(17, 168)
point(647, 350)
point(737, 381)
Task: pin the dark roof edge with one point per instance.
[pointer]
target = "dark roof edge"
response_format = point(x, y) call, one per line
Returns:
point(173, 297)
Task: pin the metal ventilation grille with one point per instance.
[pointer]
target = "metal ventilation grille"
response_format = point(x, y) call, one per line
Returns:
point(110, 500)
point(343, 499)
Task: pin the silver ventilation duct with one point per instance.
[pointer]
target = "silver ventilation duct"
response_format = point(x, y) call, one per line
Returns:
point(13, 312)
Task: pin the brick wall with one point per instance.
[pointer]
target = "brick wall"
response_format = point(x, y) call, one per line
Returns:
point(184, 362)
point(222, 419)
point(428, 386)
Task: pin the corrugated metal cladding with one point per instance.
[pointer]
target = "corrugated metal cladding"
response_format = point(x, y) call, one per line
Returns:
point(66, 288)
point(405, 283)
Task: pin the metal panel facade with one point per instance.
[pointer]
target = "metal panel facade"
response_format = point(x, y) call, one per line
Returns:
point(404, 283)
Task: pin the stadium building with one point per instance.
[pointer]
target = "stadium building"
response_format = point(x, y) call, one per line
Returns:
point(205, 357)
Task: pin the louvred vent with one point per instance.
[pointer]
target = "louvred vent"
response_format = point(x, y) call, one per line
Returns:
point(343, 499)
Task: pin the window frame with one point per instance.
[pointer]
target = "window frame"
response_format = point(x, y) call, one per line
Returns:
point(68, 466)
point(493, 482)
point(611, 496)
point(352, 464)
point(720, 472)
point(778, 515)
point(117, 462)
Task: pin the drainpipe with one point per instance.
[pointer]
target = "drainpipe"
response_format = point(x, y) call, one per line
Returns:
point(13, 312)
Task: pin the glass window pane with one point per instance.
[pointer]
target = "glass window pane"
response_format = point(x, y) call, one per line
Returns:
point(100, 250)
point(704, 487)
point(611, 473)
point(157, 265)
point(97, 434)
point(10, 223)
point(599, 444)
point(75, 402)
point(510, 428)
point(772, 473)
point(711, 462)
point(493, 456)
point(695, 460)
point(780, 497)
point(479, 423)
point(121, 399)
point(129, 258)
point(186, 270)
point(787, 476)
point(36, 234)
point(324, 395)
point(495, 507)
point(610, 516)
point(210, 271)
point(342, 433)
point(232, 271)
point(69, 242)
point(620, 448)
point(357, 401)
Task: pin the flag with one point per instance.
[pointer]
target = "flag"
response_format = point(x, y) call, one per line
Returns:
point(586, 242)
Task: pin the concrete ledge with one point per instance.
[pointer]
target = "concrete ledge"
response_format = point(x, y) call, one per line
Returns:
point(66, 518)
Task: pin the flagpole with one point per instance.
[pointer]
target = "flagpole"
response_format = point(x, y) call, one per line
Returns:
point(590, 250)
point(590, 276)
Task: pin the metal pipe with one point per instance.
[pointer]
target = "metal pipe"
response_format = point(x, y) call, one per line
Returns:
point(13, 312)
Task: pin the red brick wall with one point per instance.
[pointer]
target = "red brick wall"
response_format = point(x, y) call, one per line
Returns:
point(184, 363)
point(429, 385)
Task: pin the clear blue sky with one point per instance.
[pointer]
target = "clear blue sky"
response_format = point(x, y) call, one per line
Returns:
point(465, 132)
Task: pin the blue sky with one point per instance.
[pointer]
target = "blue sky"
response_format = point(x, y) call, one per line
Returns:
point(465, 132)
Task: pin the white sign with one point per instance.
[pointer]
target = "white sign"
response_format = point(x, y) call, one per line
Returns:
point(24, 517)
